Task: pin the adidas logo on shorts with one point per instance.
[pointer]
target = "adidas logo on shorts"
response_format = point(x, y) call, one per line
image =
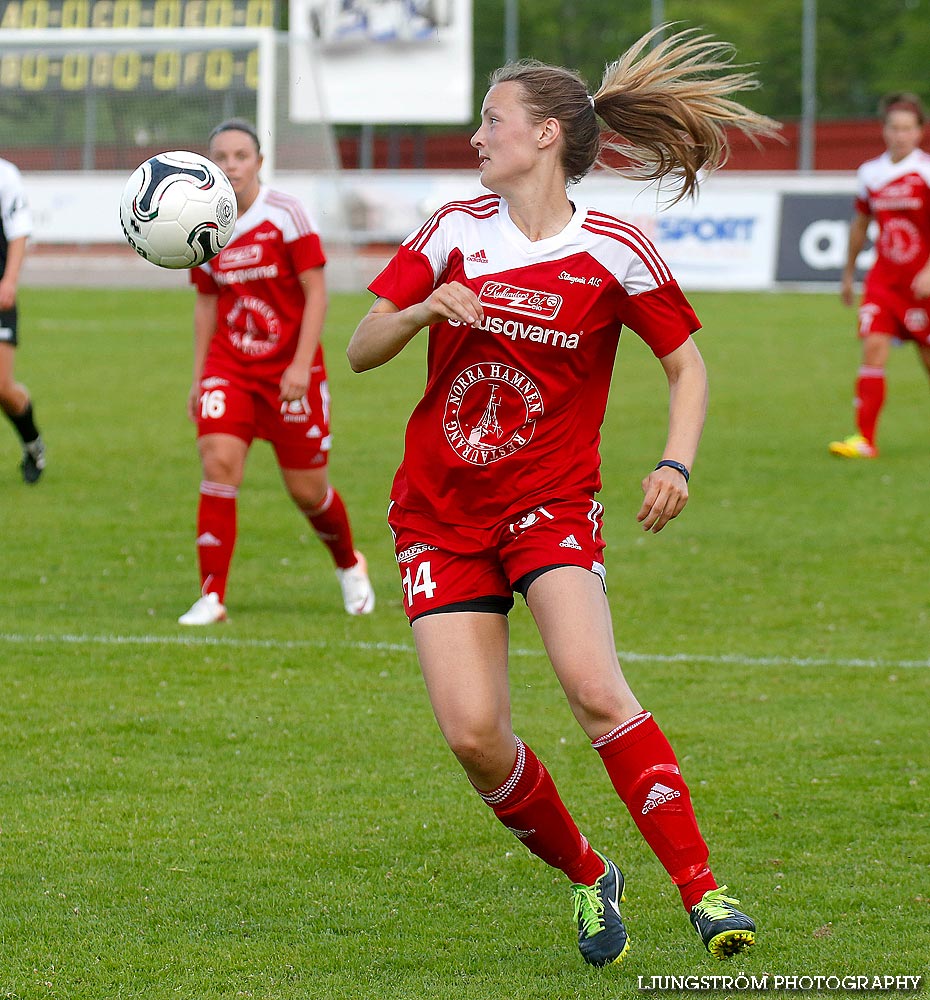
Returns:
point(569, 542)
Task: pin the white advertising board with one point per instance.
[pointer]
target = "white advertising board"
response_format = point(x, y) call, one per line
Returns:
point(381, 61)
point(743, 232)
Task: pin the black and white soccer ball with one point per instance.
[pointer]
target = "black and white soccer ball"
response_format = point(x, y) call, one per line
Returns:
point(178, 209)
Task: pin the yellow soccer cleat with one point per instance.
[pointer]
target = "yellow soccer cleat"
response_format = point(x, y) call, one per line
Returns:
point(855, 446)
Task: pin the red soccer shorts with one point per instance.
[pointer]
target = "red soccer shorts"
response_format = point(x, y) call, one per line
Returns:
point(456, 568)
point(894, 314)
point(298, 431)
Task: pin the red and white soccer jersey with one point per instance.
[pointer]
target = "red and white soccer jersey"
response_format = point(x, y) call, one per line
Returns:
point(897, 195)
point(261, 301)
point(512, 409)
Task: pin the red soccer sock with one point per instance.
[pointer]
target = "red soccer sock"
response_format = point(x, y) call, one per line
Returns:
point(644, 771)
point(870, 397)
point(528, 804)
point(330, 521)
point(216, 535)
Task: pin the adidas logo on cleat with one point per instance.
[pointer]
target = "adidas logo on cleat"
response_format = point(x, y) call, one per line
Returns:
point(658, 795)
point(478, 257)
point(569, 542)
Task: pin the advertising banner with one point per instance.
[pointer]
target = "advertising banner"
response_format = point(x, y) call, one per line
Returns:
point(724, 238)
point(381, 61)
point(813, 238)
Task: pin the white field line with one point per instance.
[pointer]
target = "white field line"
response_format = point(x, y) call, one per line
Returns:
point(626, 656)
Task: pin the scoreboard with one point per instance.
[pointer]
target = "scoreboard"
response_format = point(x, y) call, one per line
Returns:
point(52, 67)
point(18, 15)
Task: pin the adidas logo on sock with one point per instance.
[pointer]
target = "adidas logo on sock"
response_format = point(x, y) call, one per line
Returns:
point(569, 542)
point(478, 257)
point(658, 795)
point(208, 540)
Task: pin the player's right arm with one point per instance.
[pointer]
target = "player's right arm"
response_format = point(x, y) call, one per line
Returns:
point(858, 229)
point(204, 328)
point(386, 330)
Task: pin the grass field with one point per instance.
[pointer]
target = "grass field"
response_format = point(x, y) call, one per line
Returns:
point(267, 809)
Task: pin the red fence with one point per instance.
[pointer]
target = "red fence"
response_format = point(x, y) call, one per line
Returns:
point(838, 146)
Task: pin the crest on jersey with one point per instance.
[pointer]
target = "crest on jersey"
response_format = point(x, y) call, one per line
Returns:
point(491, 412)
point(900, 240)
point(254, 327)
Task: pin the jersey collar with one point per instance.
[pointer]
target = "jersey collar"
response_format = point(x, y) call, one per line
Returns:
point(540, 248)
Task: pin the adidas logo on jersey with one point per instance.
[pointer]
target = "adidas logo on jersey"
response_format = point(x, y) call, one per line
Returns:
point(569, 542)
point(658, 795)
point(478, 257)
point(208, 540)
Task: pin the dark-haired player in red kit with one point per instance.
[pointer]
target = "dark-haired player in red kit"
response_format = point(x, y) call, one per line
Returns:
point(525, 294)
point(894, 190)
point(259, 372)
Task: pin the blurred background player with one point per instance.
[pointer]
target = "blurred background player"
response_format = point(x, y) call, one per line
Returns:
point(893, 189)
point(15, 227)
point(525, 295)
point(259, 372)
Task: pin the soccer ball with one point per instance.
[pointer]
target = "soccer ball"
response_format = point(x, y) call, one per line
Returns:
point(178, 209)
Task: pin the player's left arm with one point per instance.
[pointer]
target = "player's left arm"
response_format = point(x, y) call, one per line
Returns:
point(665, 491)
point(15, 254)
point(296, 377)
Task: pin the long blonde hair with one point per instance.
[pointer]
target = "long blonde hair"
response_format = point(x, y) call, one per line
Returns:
point(667, 108)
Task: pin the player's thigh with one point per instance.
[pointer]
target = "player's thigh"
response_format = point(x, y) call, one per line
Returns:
point(222, 457)
point(7, 365)
point(463, 657)
point(876, 348)
point(571, 611)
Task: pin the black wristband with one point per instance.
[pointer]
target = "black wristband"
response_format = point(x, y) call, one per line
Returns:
point(667, 463)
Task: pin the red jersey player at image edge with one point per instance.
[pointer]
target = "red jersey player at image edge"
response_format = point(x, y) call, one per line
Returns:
point(894, 190)
point(15, 399)
point(259, 372)
point(525, 294)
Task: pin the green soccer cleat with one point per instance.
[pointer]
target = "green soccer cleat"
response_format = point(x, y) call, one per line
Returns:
point(723, 929)
point(602, 938)
point(855, 446)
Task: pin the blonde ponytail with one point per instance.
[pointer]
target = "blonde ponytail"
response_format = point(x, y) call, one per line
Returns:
point(668, 107)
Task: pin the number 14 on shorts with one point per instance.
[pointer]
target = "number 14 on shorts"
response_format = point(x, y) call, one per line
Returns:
point(421, 583)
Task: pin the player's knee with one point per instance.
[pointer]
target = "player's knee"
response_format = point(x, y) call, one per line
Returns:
point(13, 397)
point(480, 750)
point(314, 503)
point(599, 704)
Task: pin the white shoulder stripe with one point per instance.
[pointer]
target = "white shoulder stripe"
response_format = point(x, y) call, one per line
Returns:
point(608, 225)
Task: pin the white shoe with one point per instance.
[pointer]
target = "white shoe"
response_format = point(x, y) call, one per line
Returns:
point(357, 594)
point(204, 611)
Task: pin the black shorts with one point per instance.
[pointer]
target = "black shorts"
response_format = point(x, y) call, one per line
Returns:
point(8, 327)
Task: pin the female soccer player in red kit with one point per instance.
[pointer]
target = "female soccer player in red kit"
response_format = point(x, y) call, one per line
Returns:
point(259, 372)
point(525, 294)
point(893, 189)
